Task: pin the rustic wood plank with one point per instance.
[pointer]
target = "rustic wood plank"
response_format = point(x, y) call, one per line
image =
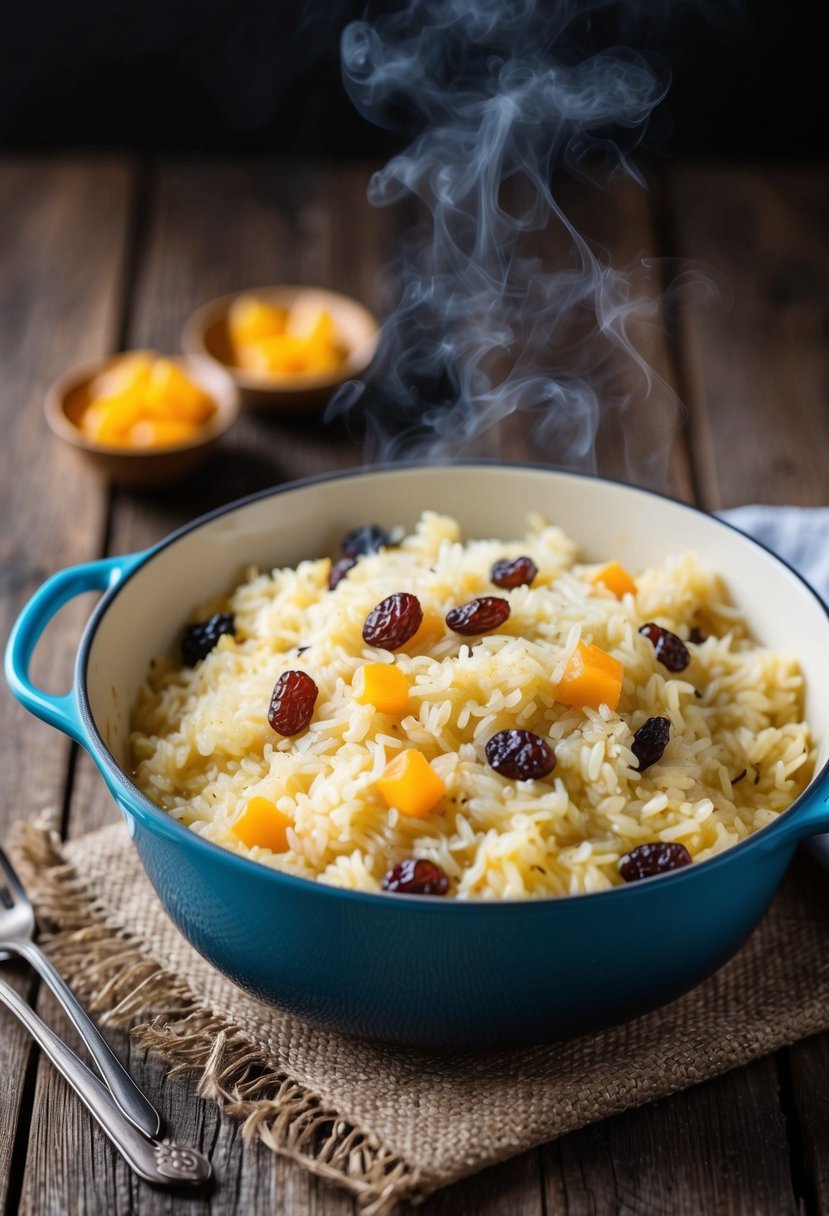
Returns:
point(756, 355)
point(510, 1189)
point(717, 1148)
point(639, 417)
point(74, 1171)
point(212, 229)
point(757, 365)
point(805, 1074)
point(62, 251)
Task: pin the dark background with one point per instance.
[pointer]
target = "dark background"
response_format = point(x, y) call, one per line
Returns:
point(749, 80)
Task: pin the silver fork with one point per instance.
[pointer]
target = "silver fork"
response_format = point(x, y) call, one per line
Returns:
point(17, 927)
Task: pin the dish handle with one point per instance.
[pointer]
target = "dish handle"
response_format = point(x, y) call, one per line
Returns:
point(57, 710)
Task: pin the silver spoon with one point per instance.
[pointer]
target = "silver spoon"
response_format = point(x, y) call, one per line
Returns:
point(163, 1162)
point(17, 927)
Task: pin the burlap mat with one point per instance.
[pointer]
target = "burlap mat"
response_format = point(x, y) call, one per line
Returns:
point(397, 1125)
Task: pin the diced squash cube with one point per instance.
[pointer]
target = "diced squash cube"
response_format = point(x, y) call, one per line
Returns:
point(250, 319)
point(260, 823)
point(411, 784)
point(382, 685)
point(428, 631)
point(616, 578)
point(591, 678)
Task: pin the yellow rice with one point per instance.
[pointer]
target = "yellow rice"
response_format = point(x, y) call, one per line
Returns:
point(738, 755)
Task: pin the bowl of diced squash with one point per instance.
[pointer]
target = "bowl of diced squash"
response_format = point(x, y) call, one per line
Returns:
point(143, 418)
point(286, 348)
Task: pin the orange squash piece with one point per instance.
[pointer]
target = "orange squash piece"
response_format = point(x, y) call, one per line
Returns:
point(411, 784)
point(382, 685)
point(591, 678)
point(428, 631)
point(260, 823)
point(616, 578)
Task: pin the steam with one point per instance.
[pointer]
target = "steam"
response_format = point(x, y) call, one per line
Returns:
point(503, 94)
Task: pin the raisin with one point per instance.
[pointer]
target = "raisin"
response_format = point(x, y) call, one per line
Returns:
point(647, 860)
point(478, 616)
point(520, 754)
point(739, 776)
point(670, 650)
point(393, 621)
point(412, 877)
point(650, 741)
point(339, 570)
point(199, 639)
point(696, 636)
point(292, 703)
point(368, 538)
point(518, 572)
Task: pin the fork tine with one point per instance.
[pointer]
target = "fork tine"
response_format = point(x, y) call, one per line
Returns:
point(13, 884)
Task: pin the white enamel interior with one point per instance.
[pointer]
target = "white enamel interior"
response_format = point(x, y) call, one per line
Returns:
point(145, 618)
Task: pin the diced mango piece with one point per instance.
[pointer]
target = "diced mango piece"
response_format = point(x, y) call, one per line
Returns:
point(172, 394)
point(260, 823)
point(276, 342)
point(592, 677)
point(144, 401)
point(108, 420)
point(616, 578)
point(382, 685)
point(161, 432)
point(311, 324)
point(250, 319)
point(411, 784)
point(125, 373)
point(428, 631)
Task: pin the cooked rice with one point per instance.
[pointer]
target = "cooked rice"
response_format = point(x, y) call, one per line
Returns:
point(202, 745)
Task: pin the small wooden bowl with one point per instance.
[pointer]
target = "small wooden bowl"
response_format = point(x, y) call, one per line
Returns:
point(67, 398)
point(206, 333)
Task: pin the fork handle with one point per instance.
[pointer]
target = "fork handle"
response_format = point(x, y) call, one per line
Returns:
point(160, 1161)
point(137, 1108)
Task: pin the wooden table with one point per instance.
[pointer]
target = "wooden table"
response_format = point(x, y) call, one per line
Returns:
point(102, 254)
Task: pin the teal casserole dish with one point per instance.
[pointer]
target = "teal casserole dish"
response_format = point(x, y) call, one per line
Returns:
point(420, 970)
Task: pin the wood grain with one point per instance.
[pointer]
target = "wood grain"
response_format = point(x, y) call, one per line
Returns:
point(754, 341)
point(61, 248)
point(658, 1159)
point(202, 229)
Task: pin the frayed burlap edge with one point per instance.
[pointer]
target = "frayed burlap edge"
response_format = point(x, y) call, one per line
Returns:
point(111, 972)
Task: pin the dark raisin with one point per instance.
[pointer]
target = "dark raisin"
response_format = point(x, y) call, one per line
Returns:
point(650, 741)
point(647, 860)
point(292, 703)
point(199, 639)
point(520, 754)
point(696, 636)
point(339, 570)
point(393, 621)
point(670, 650)
point(515, 572)
point(412, 877)
point(368, 538)
point(739, 776)
point(478, 616)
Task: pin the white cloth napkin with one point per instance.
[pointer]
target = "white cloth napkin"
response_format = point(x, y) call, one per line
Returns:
point(800, 535)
